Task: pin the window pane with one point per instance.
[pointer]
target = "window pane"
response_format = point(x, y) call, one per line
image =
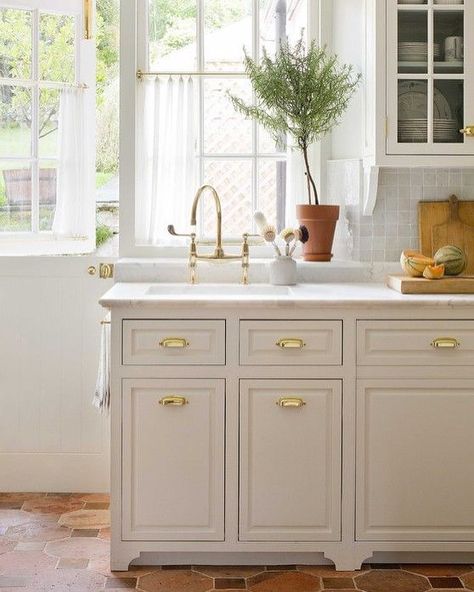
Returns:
point(15, 121)
point(56, 48)
point(48, 123)
point(172, 35)
point(225, 130)
point(15, 43)
point(233, 181)
point(15, 197)
point(281, 20)
point(272, 190)
point(47, 194)
point(228, 29)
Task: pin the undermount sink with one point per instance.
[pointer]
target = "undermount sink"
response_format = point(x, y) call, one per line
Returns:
point(217, 290)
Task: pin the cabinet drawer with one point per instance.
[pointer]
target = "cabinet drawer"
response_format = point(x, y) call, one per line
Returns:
point(290, 343)
point(172, 342)
point(411, 343)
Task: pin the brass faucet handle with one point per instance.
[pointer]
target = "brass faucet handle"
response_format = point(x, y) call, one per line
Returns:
point(173, 232)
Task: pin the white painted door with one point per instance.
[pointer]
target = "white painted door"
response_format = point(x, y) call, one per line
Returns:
point(290, 460)
point(51, 437)
point(415, 445)
point(173, 459)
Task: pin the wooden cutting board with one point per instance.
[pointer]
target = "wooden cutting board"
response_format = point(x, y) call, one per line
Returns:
point(452, 285)
point(444, 223)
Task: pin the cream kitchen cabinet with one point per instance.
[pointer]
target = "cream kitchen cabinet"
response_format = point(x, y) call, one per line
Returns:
point(291, 429)
point(415, 447)
point(173, 459)
point(290, 456)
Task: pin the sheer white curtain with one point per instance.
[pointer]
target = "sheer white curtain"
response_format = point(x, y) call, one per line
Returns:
point(167, 163)
point(72, 216)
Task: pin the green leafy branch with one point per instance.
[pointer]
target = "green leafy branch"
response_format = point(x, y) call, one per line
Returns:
point(302, 93)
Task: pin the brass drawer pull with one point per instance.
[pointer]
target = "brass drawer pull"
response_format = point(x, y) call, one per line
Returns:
point(291, 402)
point(173, 401)
point(174, 342)
point(291, 343)
point(446, 343)
point(468, 130)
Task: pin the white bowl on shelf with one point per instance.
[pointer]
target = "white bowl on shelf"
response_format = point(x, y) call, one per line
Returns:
point(448, 2)
point(411, 1)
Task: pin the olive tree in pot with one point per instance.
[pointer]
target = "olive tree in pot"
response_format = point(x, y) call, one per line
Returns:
point(302, 93)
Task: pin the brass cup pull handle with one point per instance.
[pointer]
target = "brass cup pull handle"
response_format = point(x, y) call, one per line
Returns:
point(290, 343)
point(445, 343)
point(293, 402)
point(468, 130)
point(174, 342)
point(173, 401)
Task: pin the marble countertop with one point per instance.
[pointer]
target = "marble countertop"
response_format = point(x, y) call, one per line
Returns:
point(326, 295)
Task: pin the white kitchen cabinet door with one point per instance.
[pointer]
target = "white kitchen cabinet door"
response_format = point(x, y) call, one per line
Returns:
point(430, 81)
point(415, 473)
point(290, 472)
point(173, 460)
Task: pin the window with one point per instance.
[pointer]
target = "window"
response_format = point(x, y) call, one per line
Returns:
point(192, 54)
point(47, 95)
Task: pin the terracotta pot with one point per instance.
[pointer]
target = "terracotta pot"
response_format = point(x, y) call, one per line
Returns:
point(321, 223)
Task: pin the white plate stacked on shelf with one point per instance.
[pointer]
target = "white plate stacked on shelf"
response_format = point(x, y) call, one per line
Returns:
point(416, 130)
point(416, 51)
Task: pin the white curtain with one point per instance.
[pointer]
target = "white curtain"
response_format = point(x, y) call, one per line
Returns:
point(72, 215)
point(167, 163)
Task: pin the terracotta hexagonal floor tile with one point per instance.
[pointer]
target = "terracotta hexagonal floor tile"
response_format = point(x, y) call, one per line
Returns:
point(102, 565)
point(394, 580)
point(38, 531)
point(92, 497)
point(273, 581)
point(62, 580)
point(86, 519)
point(14, 496)
point(52, 505)
point(438, 570)
point(175, 581)
point(329, 571)
point(6, 545)
point(25, 563)
point(229, 571)
point(13, 518)
point(87, 548)
point(468, 580)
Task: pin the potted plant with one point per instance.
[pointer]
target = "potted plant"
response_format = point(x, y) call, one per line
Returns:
point(302, 93)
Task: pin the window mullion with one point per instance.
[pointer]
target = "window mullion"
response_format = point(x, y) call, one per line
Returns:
point(35, 126)
point(200, 25)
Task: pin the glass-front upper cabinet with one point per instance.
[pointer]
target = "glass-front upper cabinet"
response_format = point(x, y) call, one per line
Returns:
point(430, 77)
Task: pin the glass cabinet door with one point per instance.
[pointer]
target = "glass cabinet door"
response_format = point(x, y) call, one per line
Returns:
point(430, 77)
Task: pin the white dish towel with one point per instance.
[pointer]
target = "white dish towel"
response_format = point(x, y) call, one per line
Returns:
point(102, 390)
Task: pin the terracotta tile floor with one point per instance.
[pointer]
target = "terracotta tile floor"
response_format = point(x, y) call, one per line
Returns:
point(60, 543)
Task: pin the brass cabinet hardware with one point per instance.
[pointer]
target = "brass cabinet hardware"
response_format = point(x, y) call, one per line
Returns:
point(91, 270)
point(291, 343)
point(173, 401)
point(446, 342)
point(291, 402)
point(468, 130)
point(88, 19)
point(174, 342)
point(106, 271)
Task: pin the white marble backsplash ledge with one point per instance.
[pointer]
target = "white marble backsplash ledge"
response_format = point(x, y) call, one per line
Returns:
point(176, 271)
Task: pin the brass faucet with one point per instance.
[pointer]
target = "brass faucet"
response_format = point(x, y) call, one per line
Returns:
point(218, 250)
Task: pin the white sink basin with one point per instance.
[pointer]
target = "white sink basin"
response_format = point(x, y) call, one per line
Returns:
point(217, 290)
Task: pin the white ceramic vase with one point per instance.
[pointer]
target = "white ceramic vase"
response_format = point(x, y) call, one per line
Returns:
point(283, 271)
